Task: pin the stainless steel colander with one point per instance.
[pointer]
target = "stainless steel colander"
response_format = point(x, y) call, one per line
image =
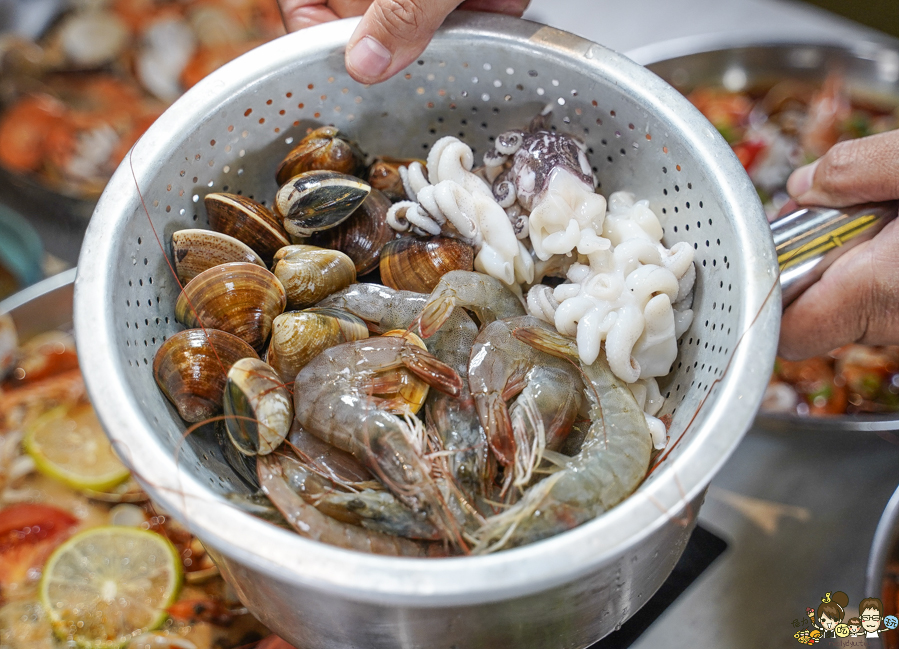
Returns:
point(481, 75)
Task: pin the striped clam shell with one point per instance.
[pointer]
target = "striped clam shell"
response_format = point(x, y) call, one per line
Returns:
point(318, 200)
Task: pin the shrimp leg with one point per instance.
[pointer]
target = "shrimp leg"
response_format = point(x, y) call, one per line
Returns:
point(486, 296)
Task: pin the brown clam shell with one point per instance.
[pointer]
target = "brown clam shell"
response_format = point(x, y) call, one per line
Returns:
point(300, 336)
point(191, 369)
point(292, 248)
point(258, 407)
point(362, 236)
point(309, 276)
point(239, 298)
point(194, 251)
point(384, 175)
point(248, 221)
point(322, 149)
point(411, 264)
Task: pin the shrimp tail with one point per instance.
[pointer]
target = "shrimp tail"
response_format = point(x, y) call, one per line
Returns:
point(497, 422)
point(436, 311)
point(435, 373)
point(548, 341)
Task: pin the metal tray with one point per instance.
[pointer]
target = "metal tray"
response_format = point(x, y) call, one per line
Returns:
point(872, 73)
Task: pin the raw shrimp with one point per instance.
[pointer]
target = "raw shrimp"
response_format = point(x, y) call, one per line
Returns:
point(611, 464)
point(548, 393)
point(312, 524)
point(373, 509)
point(455, 419)
point(333, 403)
point(489, 298)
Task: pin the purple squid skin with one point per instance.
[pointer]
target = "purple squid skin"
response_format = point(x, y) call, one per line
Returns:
point(540, 153)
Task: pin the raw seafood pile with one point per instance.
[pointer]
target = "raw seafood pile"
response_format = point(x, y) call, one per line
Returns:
point(774, 132)
point(434, 409)
point(77, 100)
point(60, 484)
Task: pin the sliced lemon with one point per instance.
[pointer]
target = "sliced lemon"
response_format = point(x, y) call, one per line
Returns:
point(107, 585)
point(69, 445)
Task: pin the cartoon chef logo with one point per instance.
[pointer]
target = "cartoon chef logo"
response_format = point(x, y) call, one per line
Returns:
point(828, 621)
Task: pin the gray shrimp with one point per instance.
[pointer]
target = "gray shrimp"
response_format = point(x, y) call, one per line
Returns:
point(486, 296)
point(313, 524)
point(610, 465)
point(333, 403)
point(373, 509)
point(455, 419)
point(547, 392)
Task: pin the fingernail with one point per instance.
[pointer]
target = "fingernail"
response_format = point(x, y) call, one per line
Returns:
point(800, 181)
point(368, 58)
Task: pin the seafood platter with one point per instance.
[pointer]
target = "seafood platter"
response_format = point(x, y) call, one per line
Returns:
point(782, 105)
point(449, 360)
point(81, 81)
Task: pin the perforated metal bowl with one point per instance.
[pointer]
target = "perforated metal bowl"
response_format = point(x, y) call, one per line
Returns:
point(481, 74)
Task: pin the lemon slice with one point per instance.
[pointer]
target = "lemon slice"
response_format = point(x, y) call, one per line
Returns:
point(107, 585)
point(23, 625)
point(69, 445)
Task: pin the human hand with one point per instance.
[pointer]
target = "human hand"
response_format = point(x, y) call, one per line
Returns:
point(857, 298)
point(392, 33)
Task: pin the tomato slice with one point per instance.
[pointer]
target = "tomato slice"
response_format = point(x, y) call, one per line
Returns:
point(28, 534)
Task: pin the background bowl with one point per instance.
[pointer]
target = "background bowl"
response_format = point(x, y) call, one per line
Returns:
point(871, 72)
point(480, 76)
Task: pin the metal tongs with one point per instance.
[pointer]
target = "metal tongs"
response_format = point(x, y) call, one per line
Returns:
point(810, 239)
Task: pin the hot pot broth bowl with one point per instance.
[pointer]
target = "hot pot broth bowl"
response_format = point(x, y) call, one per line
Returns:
point(481, 75)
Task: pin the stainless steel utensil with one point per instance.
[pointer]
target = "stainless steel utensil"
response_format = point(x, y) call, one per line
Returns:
point(871, 72)
point(884, 550)
point(482, 74)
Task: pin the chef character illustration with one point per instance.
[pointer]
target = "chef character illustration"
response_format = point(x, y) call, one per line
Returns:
point(871, 612)
point(830, 613)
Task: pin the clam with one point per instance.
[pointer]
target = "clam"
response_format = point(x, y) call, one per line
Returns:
point(289, 250)
point(411, 264)
point(361, 236)
point(300, 336)
point(191, 369)
point(258, 408)
point(239, 298)
point(400, 391)
point(322, 149)
point(309, 276)
point(384, 174)
point(194, 251)
point(318, 200)
point(246, 220)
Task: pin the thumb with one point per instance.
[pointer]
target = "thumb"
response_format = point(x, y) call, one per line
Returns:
point(851, 172)
point(391, 35)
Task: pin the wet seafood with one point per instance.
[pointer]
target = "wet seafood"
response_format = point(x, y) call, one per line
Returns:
point(546, 390)
point(191, 370)
point(194, 251)
point(318, 200)
point(300, 336)
point(363, 235)
point(238, 297)
point(246, 220)
point(331, 401)
point(412, 264)
point(374, 509)
point(311, 523)
point(310, 275)
point(258, 407)
point(609, 466)
point(322, 150)
point(486, 297)
point(384, 174)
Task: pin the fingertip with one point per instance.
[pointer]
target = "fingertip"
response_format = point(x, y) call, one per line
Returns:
point(367, 60)
point(800, 181)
